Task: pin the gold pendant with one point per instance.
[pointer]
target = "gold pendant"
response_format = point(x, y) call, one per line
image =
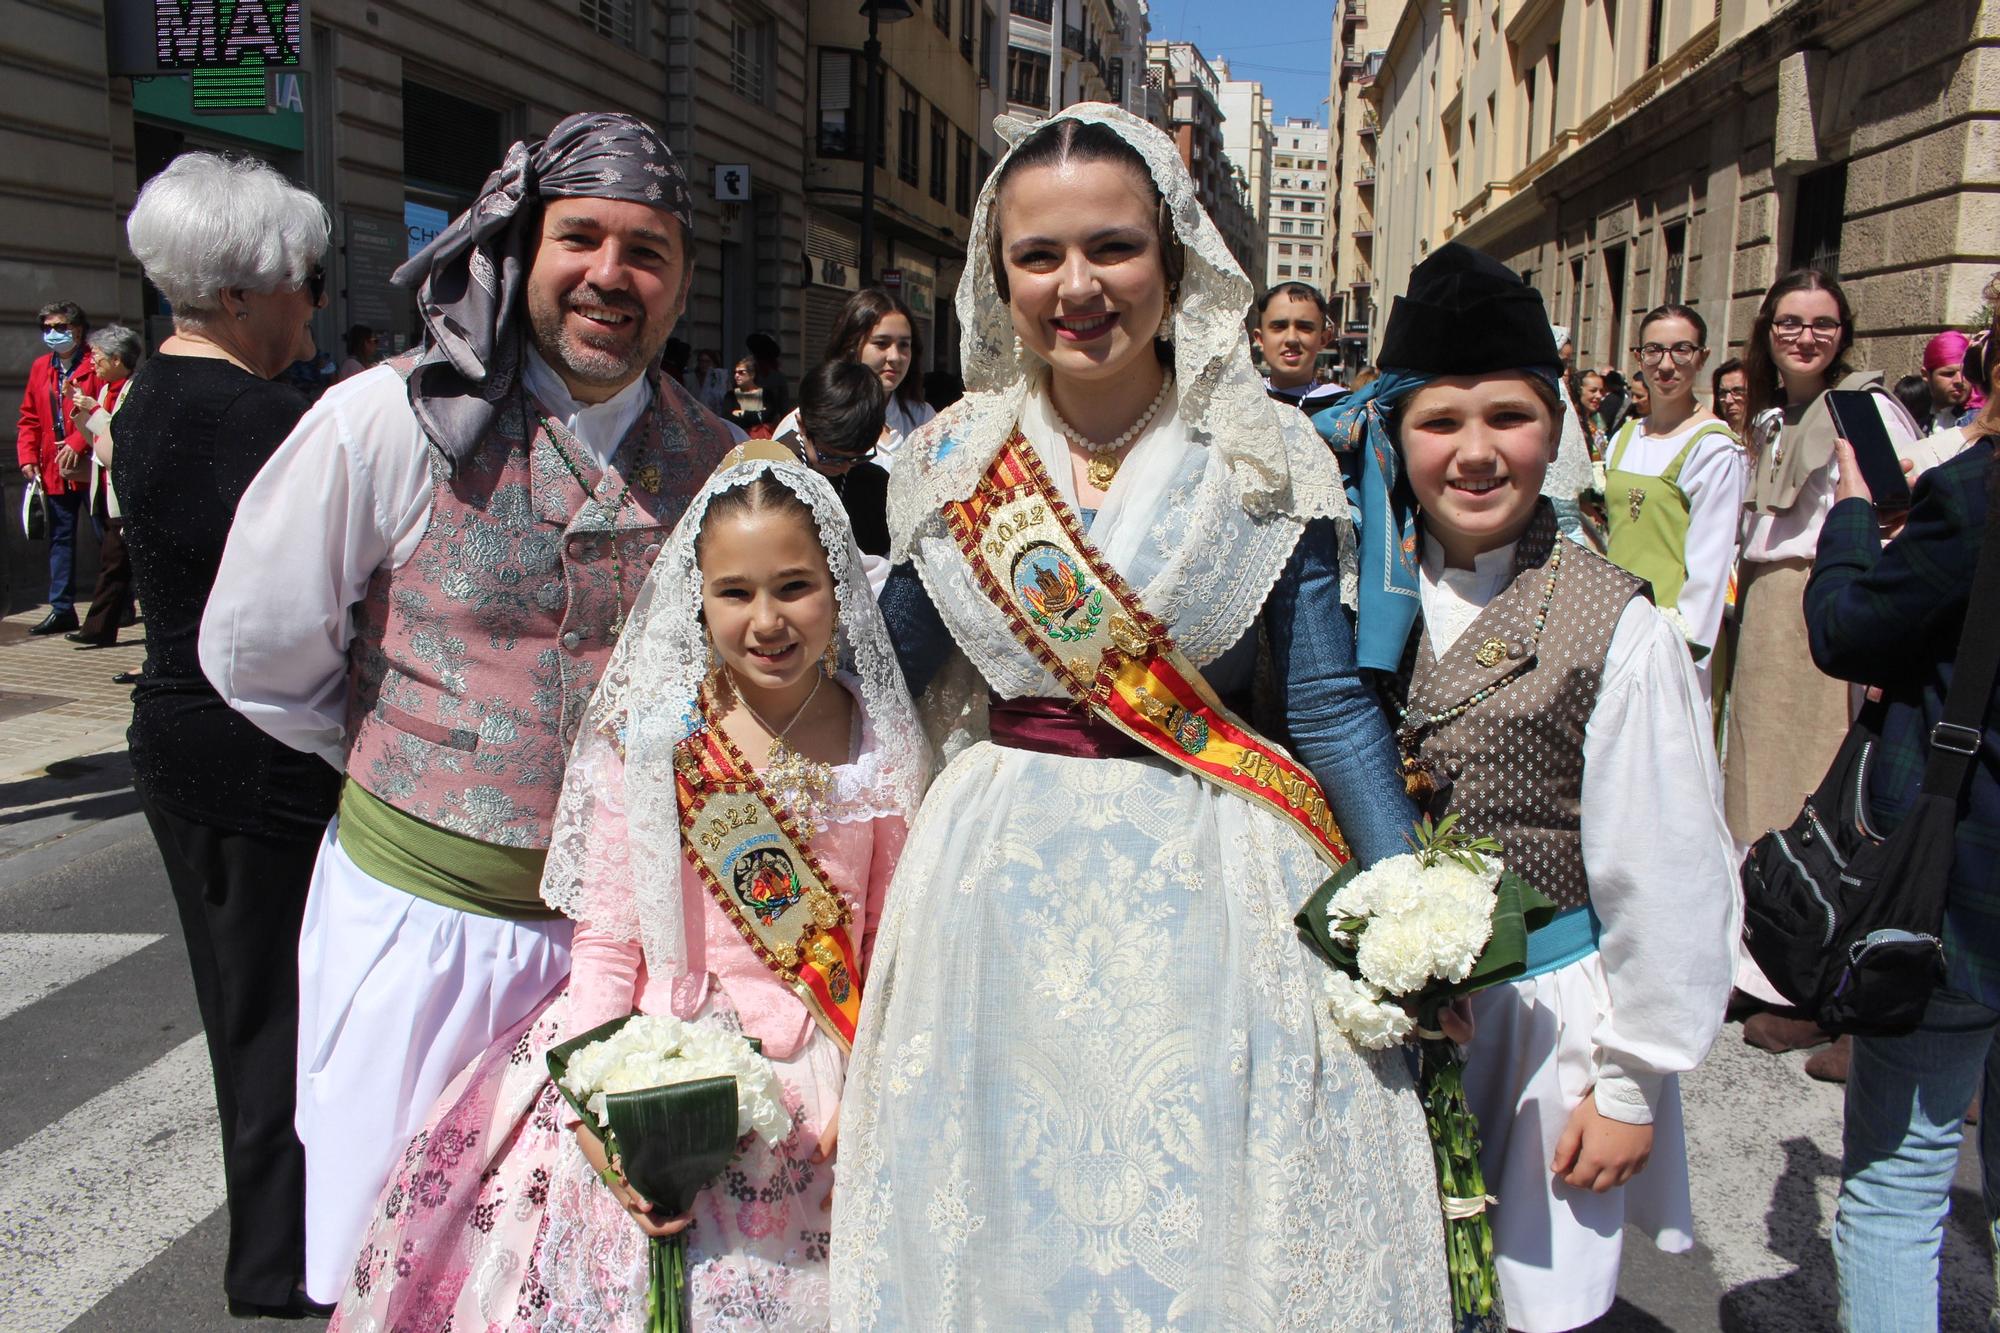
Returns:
point(1634, 498)
point(1102, 470)
point(1490, 653)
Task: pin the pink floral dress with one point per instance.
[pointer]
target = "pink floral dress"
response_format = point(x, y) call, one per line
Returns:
point(494, 1222)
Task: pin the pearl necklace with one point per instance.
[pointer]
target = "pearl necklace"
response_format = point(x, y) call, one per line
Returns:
point(1102, 469)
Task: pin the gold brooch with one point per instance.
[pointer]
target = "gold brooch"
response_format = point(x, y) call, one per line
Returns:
point(647, 478)
point(1131, 640)
point(1490, 653)
point(1634, 498)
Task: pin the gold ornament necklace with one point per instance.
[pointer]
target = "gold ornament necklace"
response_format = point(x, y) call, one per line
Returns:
point(797, 783)
point(1102, 469)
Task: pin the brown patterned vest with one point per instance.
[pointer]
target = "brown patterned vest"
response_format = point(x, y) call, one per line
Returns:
point(1514, 761)
point(472, 661)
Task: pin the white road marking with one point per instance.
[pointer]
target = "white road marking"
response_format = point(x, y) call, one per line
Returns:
point(89, 1200)
point(35, 966)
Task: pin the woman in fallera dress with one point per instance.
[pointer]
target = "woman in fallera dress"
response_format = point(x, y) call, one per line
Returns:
point(1095, 1083)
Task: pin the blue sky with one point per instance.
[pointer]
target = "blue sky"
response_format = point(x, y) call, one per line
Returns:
point(1283, 44)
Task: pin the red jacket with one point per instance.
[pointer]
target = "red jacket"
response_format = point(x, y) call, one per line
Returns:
point(44, 425)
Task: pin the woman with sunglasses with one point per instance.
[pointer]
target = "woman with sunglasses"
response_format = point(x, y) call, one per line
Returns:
point(236, 250)
point(1786, 719)
point(1673, 491)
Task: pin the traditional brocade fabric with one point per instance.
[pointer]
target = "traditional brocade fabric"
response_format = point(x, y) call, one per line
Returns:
point(1514, 761)
point(473, 660)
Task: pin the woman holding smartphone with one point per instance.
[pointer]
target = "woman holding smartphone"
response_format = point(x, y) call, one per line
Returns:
point(1786, 719)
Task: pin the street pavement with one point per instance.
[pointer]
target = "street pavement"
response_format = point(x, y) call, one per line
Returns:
point(110, 1163)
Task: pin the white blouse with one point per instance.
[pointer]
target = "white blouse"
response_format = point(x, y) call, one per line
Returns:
point(1656, 849)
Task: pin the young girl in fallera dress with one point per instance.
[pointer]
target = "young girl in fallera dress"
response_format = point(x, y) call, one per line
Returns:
point(1549, 705)
point(756, 644)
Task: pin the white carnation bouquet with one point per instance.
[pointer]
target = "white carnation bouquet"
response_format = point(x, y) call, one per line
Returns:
point(671, 1101)
point(657, 1050)
point(1405, 938)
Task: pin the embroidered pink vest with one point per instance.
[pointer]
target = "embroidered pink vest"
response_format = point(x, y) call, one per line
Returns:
point(472, 662)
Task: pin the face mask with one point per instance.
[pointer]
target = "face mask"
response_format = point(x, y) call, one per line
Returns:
point(58, 340)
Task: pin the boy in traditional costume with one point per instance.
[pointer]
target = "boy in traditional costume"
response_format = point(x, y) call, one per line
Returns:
point(1551, 707)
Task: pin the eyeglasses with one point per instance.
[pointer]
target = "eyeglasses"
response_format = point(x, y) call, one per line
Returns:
point(1733, 393)
point(1791, 327)
point(316, 283)
point(814, 456)
point(1652, 354)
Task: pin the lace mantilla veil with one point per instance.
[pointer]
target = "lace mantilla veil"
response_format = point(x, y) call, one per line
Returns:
point(648, 700)
point(1277, 462)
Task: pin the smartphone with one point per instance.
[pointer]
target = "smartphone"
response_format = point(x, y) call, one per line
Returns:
point(1860, 424)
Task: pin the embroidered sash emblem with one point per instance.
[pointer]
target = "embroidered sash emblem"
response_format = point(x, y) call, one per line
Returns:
point(1063, 603)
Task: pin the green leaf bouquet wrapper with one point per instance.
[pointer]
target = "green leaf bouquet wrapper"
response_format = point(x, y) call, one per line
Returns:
point(1519, 908)
point(670, 1142)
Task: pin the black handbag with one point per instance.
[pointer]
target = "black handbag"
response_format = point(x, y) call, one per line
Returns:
point(1844, 922)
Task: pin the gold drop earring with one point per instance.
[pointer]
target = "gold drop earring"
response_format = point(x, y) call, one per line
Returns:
point(829, 660)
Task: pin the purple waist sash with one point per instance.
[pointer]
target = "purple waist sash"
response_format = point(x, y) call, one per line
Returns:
point(1057, 726)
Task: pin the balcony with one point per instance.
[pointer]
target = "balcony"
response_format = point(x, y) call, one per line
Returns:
point(1365, 235)
point(1368, 127)
point(1039, 10)
point(1365, 181)
point(1354, 11)
point(1073, 39)
point(1352, 59)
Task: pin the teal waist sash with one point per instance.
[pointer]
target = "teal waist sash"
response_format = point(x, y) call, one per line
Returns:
point(1572, 935)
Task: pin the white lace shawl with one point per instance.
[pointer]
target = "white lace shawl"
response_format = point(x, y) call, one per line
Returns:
point(648, 702)
point(1218, 393)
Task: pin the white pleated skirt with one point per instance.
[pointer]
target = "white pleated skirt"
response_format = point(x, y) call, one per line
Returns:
point(396, 995)
point(1557, 1248)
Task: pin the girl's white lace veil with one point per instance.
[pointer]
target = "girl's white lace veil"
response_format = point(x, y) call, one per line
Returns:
point(648, 702)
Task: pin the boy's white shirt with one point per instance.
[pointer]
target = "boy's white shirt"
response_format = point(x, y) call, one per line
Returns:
point(1656, 849)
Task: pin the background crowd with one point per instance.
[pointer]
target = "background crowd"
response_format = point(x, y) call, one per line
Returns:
point(1719, 479)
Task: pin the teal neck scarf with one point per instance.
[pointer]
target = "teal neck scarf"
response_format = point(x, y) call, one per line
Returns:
point(1357, 429)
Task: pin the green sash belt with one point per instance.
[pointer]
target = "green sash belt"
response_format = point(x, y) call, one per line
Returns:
point(439, 866)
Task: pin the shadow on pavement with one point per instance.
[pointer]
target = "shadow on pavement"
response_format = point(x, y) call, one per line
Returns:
point(84, 790)
point(1804, 1298)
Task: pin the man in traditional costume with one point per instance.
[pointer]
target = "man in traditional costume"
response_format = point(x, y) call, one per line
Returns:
point(423, 586)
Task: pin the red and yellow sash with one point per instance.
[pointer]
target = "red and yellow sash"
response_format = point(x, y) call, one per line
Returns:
point(764, 877)
point(1080, 620)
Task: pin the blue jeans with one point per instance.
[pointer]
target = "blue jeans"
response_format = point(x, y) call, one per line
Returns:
point(1906, 1103)
point(63, 512)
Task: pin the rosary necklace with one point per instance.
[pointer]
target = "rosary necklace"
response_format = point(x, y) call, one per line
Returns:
point(556, 434)
point(1102, 469)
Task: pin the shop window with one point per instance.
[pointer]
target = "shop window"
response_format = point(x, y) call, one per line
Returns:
point(616, 19)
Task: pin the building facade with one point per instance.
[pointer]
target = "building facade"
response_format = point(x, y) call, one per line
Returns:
point(1194, 119)
point(938, 92)
point(1247, 139)
point(1061, 52)
point(1297, 239)
point(1695, 151)
point(1361, 33)
point(395, 116)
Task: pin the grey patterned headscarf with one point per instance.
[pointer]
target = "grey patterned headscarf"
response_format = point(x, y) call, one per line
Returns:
point(471, 280)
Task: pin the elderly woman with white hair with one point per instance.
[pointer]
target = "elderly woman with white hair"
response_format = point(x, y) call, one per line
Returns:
point(115, 352)
point(235, 248)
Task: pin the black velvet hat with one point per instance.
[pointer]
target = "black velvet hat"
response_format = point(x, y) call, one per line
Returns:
point(1467, 314)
